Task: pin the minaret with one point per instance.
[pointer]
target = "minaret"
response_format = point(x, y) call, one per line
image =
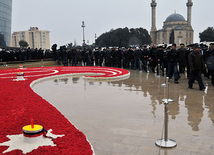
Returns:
point(153, 28)
point(189, 12)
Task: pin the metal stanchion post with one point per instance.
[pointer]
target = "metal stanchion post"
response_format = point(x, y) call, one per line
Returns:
point(165, 142)
point(42, 63)
point(158, 69)
point(147, 66)
point(167, 100)
point(141, 66)
point(164, 84)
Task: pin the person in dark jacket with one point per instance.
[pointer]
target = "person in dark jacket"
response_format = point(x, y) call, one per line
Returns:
point(69, 56)
point(54, 49)
point(102, 56)
point(196, 65)
point(182, 60)
point(137, 58)
point(161, 60)
point(153, 58)
point(64, 52)
point(108, 57)
point(188, 51)
point(144, 58)
point(96, 57)
point(210, 62)
point(130, 58)
point(74, 55)
point(119, 57)
point(172, 58)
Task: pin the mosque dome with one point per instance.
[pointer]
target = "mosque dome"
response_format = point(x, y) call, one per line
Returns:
point(174, 18)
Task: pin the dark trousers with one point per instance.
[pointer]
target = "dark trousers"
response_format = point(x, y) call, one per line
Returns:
point(137, 63)
point(196, 75)
point(181, 67)
point(65, 61)
point(145, 67)
point(172, 69)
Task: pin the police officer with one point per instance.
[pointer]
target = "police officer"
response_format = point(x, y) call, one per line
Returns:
point(196, 64)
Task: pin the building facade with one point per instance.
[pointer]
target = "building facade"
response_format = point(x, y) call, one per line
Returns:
point(176, 29)
point(5, 22)
point(34, 37)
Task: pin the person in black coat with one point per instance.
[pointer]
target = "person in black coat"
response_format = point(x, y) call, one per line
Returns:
point(119, 57)
point(137, 58)
point(196, 65)
point(96, 57)
point(54, 49)
point(161, 60)
point(153, 58)
point(182, 60)
point(173, 58)
point(102, 55)
point(74, 56)
point(144, 58)
point(108, 57)
point(210, 62)
point(188, 51)
point(64, 52)
point(130, 58)
point(113, 57)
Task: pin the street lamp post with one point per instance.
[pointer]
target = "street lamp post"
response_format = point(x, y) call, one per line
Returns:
point(83, 26)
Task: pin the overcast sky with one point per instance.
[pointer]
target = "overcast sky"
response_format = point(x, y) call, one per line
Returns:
point(63, 18)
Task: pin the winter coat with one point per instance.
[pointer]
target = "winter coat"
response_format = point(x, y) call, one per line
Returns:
point(196, 61)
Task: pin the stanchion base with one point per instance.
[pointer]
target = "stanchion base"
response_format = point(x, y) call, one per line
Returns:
point(169, 143)
point(164, 85)
point(167, 100)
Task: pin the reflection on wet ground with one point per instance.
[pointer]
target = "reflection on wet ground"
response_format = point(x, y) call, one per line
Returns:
point(126, 117)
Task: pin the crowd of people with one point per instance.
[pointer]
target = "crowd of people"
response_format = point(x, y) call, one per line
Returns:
point(22, 54)
point(194, 59)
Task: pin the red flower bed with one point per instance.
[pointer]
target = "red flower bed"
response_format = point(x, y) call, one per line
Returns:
point(18, 103)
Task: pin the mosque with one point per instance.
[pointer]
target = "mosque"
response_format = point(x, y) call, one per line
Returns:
point(176, 29)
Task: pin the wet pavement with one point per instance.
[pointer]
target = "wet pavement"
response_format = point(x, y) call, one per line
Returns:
point(127, 117)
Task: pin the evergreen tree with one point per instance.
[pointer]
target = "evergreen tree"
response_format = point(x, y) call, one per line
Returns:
point(123, 37)
point(207, 35)
point(23, 43)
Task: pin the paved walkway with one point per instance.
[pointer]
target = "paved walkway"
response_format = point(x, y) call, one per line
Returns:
point(126, 117)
